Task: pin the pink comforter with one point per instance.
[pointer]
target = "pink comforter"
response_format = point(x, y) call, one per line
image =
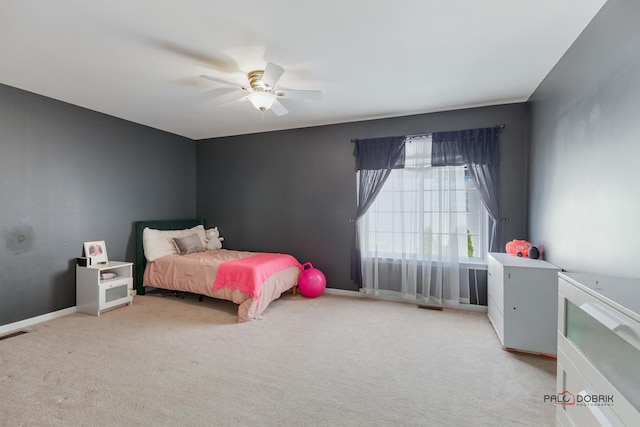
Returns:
point(248, 274)
point(196, 273)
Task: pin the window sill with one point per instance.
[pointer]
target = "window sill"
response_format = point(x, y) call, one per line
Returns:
point(466, 263)
point(473, 264)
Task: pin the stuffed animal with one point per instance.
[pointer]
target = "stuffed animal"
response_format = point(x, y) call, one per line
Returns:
point(214, 241)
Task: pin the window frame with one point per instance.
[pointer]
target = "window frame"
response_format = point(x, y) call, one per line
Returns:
point(480, 237)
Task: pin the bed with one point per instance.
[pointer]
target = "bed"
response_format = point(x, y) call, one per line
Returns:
point(250, 279)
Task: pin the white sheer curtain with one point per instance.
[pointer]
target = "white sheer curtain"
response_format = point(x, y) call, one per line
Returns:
point(412, 236)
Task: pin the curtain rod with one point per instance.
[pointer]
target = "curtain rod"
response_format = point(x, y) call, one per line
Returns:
point(496, 127)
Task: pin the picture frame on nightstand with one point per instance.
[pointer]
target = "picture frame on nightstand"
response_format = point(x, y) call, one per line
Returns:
point(97, 251)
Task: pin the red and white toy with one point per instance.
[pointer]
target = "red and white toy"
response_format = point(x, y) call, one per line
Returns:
point(519, 247)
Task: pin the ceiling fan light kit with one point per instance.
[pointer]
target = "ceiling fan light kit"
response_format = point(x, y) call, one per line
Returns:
point(263, 95)
point(262, 100)
point(255, 80)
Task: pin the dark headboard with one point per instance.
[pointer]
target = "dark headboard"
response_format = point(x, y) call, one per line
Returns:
point(172, 224)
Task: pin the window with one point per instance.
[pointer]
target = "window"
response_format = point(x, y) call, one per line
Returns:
point(431, 212)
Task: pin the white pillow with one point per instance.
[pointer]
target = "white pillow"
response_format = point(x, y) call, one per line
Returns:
point(159, 243)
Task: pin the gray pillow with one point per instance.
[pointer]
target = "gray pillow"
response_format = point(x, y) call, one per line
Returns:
point(188, 244)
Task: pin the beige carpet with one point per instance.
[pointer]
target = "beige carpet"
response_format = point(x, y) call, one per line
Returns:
point(329, 361)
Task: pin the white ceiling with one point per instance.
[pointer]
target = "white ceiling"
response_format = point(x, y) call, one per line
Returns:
point(140, 59)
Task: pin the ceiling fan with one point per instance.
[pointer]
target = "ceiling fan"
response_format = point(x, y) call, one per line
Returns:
point(263, 94)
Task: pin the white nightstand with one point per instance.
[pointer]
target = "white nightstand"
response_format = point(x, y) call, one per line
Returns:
point(95, 293)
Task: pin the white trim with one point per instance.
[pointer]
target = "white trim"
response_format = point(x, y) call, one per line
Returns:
point(344, 293)
point(474, 264)
point(358, 294)
point(463, 263)
point(16, 326)
point(470, 307)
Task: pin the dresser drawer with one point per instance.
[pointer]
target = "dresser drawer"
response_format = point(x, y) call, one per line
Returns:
point(583, 403)
point(607, 338)
point(600, 339)
point(495, 271)
point(608, 320)
point(562, 419)
point(497, 319)
point(495, 292)
point(115, 292)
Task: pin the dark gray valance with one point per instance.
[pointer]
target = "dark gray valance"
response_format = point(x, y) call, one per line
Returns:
point(379, 153)
point(465, 147)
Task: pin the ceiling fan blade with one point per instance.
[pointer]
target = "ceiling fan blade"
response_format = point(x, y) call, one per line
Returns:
point(278, 109)
point(233, 101)
point(272, 74)
point(299, 94)
point(217, 80)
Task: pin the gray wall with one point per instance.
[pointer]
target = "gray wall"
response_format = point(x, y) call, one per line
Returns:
point(585, 124)
point(69, 175)
point(295, 191)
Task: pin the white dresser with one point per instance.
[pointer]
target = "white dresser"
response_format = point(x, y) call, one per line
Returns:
point(523, 302)
point(598, 351)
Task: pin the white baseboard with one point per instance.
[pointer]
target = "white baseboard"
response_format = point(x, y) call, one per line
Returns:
point(16, 326)
point(344, 292)
point(357, 294)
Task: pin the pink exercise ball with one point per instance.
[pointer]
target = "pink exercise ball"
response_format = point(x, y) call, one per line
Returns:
point(311, 281)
